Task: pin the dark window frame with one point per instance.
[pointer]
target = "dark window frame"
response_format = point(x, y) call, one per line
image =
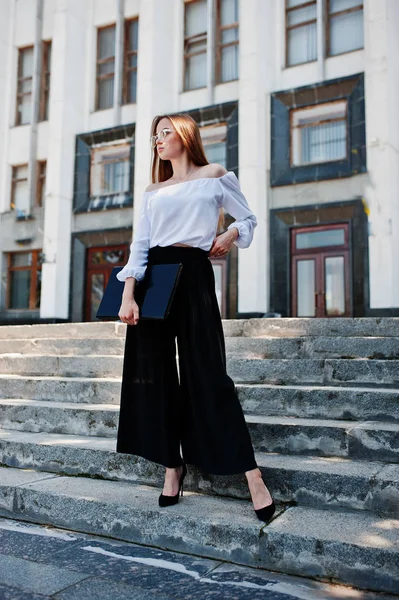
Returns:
point(350, 88)
point(83, 148)
point(282, 220)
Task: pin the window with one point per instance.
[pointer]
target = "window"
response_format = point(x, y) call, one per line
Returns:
point(45, 82)
point(110, 175)
point(41, 182)
point(319, 133)
point(214, 142)
point(227, 41)
point(344, 26)
point(130, 61)
point(93, 185)
point(301, 31)
point(105, 67)
point(24, 279)
point(20, 191)
point(195, 44)
point(24, 86)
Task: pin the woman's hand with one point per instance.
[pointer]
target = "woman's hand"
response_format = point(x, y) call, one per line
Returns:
point(129, 311)
point(222, 243)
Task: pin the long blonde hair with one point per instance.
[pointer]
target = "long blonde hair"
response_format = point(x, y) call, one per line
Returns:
point(189, 133)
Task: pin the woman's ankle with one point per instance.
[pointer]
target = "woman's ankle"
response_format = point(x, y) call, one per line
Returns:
point(253, 474)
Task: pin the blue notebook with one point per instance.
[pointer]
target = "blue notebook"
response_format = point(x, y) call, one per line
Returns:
point(153, 294)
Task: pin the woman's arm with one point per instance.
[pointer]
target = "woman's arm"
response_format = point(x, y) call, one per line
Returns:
point(136, 266)
point(236, 204)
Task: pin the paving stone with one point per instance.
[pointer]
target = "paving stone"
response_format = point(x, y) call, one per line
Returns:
point(13, 593)
point(34, 577)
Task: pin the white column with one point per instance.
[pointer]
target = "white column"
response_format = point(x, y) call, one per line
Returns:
point(119, 38)
point(156, 85)
point(8, 75)
point(66, 119)
point(35, 105)
point(211, 51)
point(382, 131)
point(256, 72)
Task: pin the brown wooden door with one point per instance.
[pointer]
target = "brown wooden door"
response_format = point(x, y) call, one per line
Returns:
point(320, 267)
point(100, 262)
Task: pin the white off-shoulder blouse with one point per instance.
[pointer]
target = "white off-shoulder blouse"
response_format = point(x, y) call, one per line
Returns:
point(187, 213)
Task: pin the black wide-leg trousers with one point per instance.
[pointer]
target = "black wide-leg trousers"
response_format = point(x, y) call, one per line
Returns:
point(195, 406)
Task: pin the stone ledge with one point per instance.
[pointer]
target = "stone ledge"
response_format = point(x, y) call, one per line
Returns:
point(342, 546)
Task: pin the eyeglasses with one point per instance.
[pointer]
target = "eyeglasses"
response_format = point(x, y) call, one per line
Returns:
point(160, 136)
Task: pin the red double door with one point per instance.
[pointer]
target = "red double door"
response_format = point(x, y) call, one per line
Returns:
point(320, 271)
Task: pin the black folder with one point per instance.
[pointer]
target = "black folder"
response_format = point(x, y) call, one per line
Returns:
point(153, 294)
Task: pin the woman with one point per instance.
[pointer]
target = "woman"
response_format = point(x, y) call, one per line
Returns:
point(197, 407)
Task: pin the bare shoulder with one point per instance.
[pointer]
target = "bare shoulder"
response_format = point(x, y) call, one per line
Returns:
point(211, 170)
point(215, 170)
point(151, 187)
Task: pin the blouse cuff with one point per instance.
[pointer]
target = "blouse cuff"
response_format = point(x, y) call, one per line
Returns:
point(244, 236)
point(137, 273)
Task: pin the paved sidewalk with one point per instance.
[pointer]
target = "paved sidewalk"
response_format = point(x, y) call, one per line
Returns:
point(40, 562)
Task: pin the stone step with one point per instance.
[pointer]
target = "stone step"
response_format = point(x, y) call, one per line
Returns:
point(290, 435)
point(101, 390)
point(323, 402)
point(314, 347)
point(320, 402)
point(367, 440)
point(335, 327)
point(343, 546)
point(331, 371)
point(339, 372)
point(246, 347)
point(308, 480)
point(62, 330)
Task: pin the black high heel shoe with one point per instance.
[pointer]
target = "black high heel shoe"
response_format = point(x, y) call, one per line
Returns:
point(266, 513)
point(169, 500)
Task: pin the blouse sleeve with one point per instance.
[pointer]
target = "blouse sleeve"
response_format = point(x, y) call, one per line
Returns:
point(137, 263)
point(236, 204)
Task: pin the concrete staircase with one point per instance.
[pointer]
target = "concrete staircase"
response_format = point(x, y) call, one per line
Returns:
point(321, 399)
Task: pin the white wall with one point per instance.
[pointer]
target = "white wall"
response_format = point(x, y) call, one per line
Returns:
point(382, 127)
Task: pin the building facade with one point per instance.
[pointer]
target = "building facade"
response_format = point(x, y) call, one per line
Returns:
point(298, 98)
